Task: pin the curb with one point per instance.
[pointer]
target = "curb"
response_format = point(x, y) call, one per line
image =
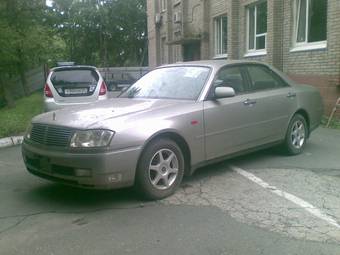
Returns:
point(11, 141)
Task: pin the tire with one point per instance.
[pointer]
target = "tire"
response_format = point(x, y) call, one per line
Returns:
point(160, 169)
point(296, 135)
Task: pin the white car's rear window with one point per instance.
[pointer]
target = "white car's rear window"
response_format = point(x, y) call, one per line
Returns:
point(74, 77)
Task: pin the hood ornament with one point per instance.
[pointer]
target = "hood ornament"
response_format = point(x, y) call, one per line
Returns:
point(54, 116)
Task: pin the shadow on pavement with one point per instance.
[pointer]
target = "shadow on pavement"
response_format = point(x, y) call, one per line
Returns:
point(57, 197)
point(223, 166)
point(60, 197)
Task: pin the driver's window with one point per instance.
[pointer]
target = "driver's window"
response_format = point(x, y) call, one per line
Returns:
point(231, 77)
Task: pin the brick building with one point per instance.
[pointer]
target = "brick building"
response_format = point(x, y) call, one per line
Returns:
point(299, 37)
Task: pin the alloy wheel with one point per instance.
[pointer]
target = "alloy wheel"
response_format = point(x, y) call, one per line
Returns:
point(163, 169)
point(298, 134)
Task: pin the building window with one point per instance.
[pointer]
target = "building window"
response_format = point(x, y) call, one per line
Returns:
point(220, 36)
point(176, 2)
point(310, 22)
point(163, 4)
point(177, 53)
point(257, 27)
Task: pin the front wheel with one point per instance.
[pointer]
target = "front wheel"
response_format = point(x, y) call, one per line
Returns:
point(296, 135)
point(160, 169)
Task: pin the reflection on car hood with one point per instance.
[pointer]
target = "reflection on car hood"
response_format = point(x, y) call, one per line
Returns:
point(89, 115)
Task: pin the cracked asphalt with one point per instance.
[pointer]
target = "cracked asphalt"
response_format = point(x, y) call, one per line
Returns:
point(216, 211)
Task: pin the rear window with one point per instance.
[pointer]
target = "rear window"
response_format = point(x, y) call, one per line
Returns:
point(74, 77)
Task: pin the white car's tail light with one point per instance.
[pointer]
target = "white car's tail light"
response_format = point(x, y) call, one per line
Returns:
point(47, 91)
point(103, 89)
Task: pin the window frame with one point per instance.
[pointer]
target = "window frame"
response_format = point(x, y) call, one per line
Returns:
point(301, 46)
point(271, 72)
point(218, 44)
point(163, 5)
point(243, 76)
point(176, 2)
point(254, 51)
point(243, 71)
point(163, 56)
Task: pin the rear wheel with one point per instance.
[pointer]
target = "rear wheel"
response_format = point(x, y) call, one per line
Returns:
point(296, 135)
point(160, 169)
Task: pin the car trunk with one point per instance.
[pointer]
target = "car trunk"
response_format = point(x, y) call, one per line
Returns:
point(75, 83)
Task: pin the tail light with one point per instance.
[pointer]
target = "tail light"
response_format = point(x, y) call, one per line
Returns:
point(47, 91)
point(103, 89)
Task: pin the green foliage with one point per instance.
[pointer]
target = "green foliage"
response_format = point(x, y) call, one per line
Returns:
point(335, 122)
point(103, 32)
point(92, 32)
point(15, 121)
point(26, 41)
point(8, 38)
point(25, 38)
point(97, 32)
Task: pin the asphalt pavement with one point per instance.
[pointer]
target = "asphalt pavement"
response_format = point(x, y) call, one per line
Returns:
point(262, 203)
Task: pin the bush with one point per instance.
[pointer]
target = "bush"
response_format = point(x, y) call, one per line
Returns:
point(15, 121)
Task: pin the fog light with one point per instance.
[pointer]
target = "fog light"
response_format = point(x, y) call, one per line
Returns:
point(115, 177)
point(83, 172)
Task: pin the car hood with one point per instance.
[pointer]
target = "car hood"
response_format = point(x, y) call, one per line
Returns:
point(91, 115)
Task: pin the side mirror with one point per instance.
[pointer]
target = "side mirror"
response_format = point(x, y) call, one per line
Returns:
point(223, 92)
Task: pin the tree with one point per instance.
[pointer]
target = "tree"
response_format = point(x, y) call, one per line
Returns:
point(103, 32)
point(25, 41)
point(8, 57)
point(94, 32)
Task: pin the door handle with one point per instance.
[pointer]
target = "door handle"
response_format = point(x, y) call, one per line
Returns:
point(291, 95)
point(249, 102)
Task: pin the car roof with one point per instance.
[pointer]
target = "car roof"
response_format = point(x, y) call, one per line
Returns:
point(216, 63)
point(73, 67)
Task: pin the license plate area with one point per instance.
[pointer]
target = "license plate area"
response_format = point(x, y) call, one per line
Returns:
point(45, 165)
point(77, 91)
point(40, 163)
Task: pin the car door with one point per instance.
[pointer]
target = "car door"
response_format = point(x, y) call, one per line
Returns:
point(229, 121)
point(275, 102)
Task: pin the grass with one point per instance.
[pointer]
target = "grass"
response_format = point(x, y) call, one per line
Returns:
point(14, 121)
point(335, 122)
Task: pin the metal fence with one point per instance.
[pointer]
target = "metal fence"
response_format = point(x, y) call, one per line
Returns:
point(119, 77)
point(35, 81)
point(115, 77)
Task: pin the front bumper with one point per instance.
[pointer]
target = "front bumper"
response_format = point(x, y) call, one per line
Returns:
point(106, 170)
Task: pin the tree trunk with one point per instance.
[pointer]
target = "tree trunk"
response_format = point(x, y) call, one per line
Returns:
point(105, 52)
point(24, 81)
point(21, 71)
point(7, 94)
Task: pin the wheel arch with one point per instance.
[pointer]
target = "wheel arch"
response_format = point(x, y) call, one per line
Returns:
point(179, 140)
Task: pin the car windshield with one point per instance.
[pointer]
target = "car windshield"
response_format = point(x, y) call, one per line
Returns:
point(179, 82)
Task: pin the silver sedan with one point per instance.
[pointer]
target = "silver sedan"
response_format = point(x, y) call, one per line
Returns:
point(172, 121)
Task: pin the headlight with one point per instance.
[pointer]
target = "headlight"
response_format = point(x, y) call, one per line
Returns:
point(91, 138)
point(28, 131)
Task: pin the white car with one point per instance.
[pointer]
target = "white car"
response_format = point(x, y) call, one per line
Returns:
point(73, 85)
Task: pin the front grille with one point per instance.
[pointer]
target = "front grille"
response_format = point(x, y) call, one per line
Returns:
point(51, 135)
